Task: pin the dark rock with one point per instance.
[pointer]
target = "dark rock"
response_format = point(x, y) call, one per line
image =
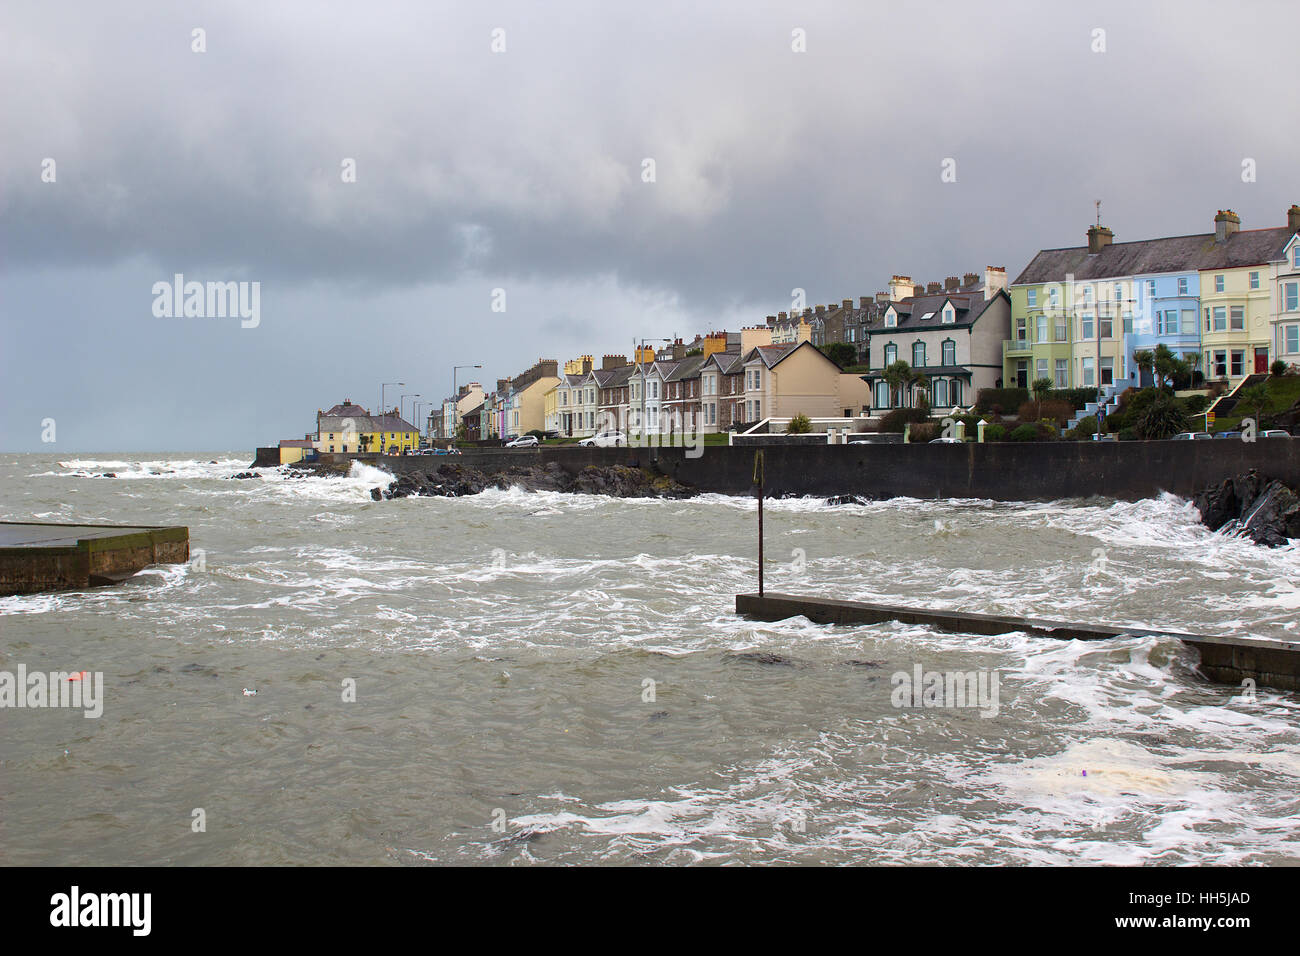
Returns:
point(1250, 506)
point(453, 480)
point(107, 474)
point(759, 657)
point(846, 500)
point(246, 474)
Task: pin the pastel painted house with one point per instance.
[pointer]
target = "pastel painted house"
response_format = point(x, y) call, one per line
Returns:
point(953, 334)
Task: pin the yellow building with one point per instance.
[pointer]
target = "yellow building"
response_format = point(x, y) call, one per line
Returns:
point(782, 381)
point(292, 449)
point(351, 429)
point(1236, 298)
point(525, 399)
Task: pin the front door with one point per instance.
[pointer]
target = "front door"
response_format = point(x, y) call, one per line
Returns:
point(1261, 360)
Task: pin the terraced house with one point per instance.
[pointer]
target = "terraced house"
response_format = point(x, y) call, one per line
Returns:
point(951, 334)
point(1079, 313)
point(1286, 321)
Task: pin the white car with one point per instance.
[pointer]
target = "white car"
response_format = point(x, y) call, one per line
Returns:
point(947, 441)
point(1192, 436)
point(613, 439)
point(1275, 433)
point(523, 441)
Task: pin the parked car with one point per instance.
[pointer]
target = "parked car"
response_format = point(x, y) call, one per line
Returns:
point(1191, 436)
point(1228, 435)
point(523, 441)
point(947, 441)
point(1275, 433)
point(611, 439)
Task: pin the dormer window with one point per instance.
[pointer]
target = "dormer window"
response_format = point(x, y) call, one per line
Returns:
point(891, 319)
point(949, 315)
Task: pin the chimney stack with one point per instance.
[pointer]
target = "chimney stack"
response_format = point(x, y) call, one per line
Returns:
point(882, 298)
point(951, 284)
point(933, 287)
point(613, 361)
point(1099, 237)
point(808, 312)
point(1293, 218)
point(679, 350)
point(846, 305)
point(918, 290)
point(781, 316)
point(969, 279)
point(995, 280)
point(1225, 224)
point(900, 287)
point(865, 301)
point(821, 310)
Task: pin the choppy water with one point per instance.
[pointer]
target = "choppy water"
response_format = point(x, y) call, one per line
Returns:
point(500, 647)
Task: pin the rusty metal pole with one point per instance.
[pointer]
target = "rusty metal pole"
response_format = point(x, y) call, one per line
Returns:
point(758, 480)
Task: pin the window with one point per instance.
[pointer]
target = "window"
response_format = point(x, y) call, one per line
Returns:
point(1189, 322)
point(1060, 329)
point(949, 316)
point(1220, 319)
point(1238, 362)
point(950, 353)
point(1089, 373)
point(1054, 296)
point(918, 355)
point(882, 395)
point(1031, 296)
point(940, 399)
point(1085, 326)
point(1291, 295)
point(1042, 328)
point(891, 319)
point(891, 354)
point(1238, 318)
point(1254, 280)
point(1218, 283)
point(1106, 327)
point(1021, 332)
point(1107, 371)
point(954, 392)
point(1087, 294)
point(1292, 338)
point(1295, 255)
point(1119, 292)
point(1182, 287)
point(1151, 288)
point(1062, 366)
point(1040, 370)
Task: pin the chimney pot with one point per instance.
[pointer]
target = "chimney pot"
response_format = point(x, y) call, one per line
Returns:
point(1293, 218)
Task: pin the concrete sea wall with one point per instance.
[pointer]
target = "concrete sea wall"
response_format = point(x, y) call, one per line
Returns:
point(1005, 471)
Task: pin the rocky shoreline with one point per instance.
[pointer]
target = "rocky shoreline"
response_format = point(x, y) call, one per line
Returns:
point(1251, 506)
point(455, 480)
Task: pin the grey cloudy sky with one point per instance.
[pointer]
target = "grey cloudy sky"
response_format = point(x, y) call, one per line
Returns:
point(522, 170)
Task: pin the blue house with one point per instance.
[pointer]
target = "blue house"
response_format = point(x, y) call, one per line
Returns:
point(1166, 312)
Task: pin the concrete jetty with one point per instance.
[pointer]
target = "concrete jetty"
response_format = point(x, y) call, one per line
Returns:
point(60, 557)
point(1228, 660)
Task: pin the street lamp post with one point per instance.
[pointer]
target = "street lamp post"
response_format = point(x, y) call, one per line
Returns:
point(382, 393)
point(455, 398)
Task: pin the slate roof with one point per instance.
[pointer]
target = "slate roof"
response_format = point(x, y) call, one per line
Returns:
point(363, 424)
point(347, 410)
point(926, 311)
point(1246, 247)
point(612, 377)
point(686, 368)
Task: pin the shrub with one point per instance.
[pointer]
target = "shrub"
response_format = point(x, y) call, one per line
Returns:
point(1278, 368)
point(1163, 418)
point(1128, 434)
point(1077, 397)
point(1000, 399)
point(1195, 404)
point(1052, 408)
point(799, 425)
point(1084, 431)
point(995, 433)
point(895, 419)
point(841, 353)
point(1024, 433)
point(924, 432)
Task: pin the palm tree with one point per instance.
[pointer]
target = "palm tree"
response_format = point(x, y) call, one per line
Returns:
point(1145, 360)
point(898, 376)
point(1168, 366)
point(1041, 388)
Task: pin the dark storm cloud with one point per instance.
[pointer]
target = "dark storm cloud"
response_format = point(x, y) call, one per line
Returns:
point(773, 169)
